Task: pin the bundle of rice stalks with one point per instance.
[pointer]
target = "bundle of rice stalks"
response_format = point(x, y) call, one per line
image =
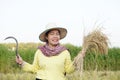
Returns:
point(95, 41)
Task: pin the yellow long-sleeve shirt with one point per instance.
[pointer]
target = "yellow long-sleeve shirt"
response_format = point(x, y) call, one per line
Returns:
point(50, 68)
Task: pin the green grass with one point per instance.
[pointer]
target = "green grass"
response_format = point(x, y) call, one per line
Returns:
point(108, 66)
point(17, 76)
point(110, 62)
point(87, 75)
point(95, 75)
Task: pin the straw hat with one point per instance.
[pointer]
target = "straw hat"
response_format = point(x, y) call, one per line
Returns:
point(52, 26)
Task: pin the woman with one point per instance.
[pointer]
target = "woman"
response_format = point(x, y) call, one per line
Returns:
point(51, 61)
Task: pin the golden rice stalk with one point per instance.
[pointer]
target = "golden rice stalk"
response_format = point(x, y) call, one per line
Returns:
point(95, 41)
point(78, 62)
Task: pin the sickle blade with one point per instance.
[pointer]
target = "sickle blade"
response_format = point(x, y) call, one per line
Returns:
point(11, 37)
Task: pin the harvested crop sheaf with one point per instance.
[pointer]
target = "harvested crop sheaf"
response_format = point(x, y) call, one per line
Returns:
point(95, 41)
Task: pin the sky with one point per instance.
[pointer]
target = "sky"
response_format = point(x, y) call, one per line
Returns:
point(26, 19)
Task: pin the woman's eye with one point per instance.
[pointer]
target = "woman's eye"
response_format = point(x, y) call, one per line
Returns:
point(57, 34)
point(51, 33)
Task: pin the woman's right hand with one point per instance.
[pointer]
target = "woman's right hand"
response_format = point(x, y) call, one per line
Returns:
point(19, 60)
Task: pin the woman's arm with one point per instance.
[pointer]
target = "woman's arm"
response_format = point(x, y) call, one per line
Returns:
point(69, 67)
point(29, 67)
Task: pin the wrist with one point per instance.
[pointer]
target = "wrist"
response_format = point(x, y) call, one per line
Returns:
point(20, 63)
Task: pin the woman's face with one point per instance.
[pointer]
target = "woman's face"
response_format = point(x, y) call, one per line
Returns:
point(53, 37)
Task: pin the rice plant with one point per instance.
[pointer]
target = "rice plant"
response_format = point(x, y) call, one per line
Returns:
point(108, 66)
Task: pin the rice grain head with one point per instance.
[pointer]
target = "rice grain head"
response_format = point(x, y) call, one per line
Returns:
point(95, 41)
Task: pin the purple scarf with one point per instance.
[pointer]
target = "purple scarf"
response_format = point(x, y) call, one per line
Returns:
point(47, 51)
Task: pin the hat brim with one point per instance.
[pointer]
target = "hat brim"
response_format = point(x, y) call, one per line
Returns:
point(63, 33)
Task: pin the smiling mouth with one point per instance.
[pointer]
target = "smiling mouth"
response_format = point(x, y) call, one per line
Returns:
point(55, 40)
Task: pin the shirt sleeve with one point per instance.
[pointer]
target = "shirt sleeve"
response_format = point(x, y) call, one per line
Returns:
point(69, 67)
point(32, 67)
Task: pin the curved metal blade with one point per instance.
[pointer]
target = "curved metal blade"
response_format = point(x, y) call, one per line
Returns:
point(16, 43)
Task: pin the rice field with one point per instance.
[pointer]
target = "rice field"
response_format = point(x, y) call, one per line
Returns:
point(105, 67)
point(95, 75)
point(87, 75)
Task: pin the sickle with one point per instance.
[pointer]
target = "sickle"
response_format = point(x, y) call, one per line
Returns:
point(16, 44)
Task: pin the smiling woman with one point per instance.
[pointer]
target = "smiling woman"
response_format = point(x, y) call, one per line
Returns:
point(51, 61)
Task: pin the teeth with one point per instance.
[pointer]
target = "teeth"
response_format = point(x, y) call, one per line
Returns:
point(54, 40)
